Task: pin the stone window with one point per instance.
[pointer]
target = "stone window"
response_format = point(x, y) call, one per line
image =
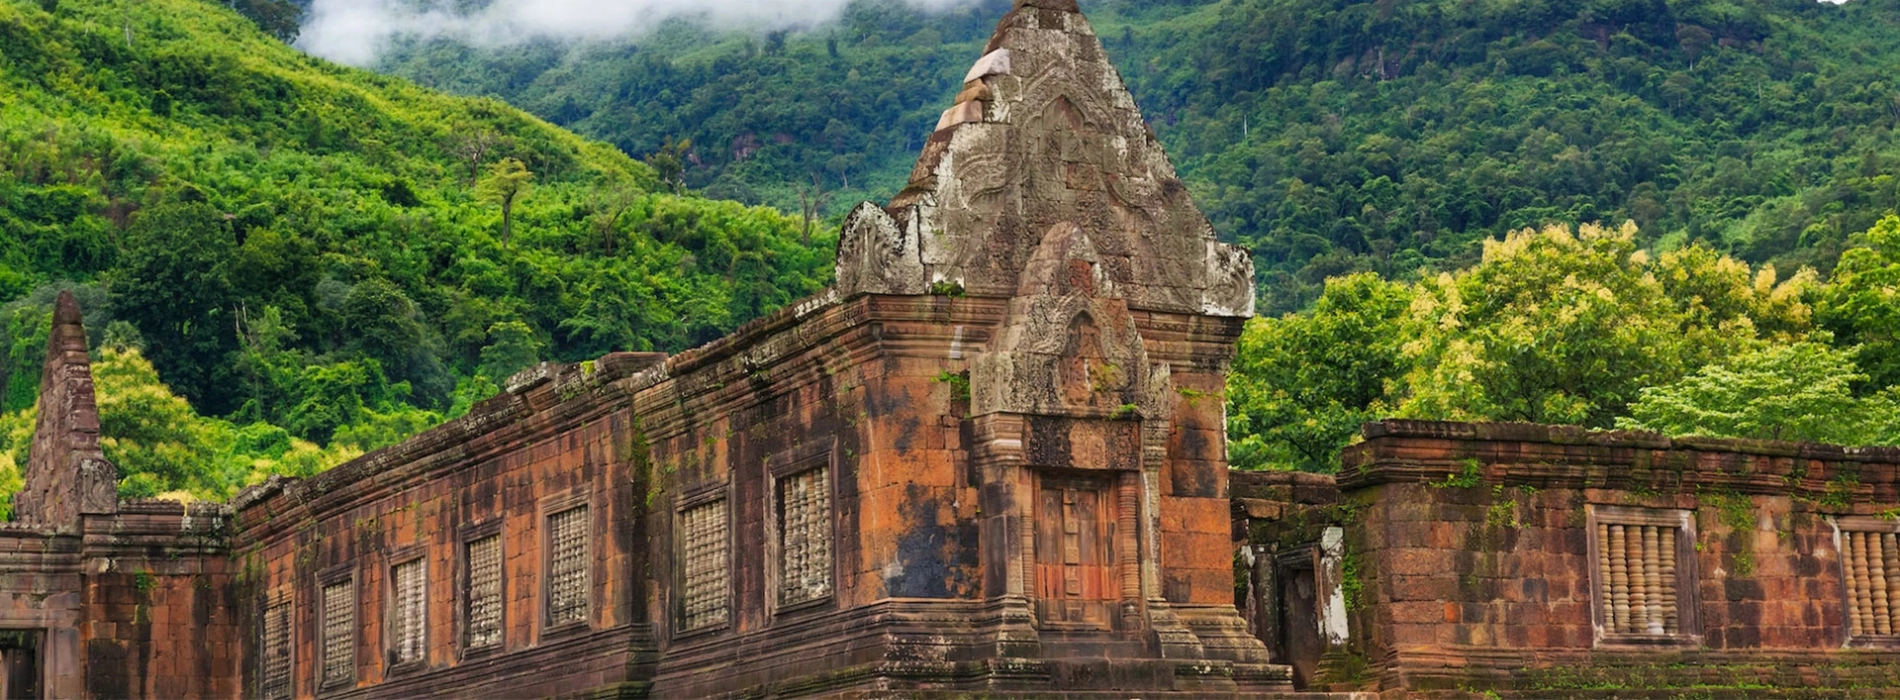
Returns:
point(483, 597)
point(1870, 564)
point(804, 510)
point(274, 681)
point(568, 566)
point(703, 554)
point(1643, 560)
point(411, 614)
point(339, 633)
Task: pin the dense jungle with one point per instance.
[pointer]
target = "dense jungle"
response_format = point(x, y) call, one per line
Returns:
point(1673, 215)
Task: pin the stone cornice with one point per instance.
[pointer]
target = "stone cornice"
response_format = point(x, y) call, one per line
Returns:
point(1554, 456)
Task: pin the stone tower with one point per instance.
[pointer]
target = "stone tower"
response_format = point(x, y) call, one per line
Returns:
point(1098, 429)
point(67, 475)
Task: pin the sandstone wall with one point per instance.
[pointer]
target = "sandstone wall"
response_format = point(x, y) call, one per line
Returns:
point(42, 589)
point(160, 606)
point(1473, 561)
point(558, 438)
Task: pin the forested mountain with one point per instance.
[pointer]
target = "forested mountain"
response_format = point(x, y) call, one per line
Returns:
point(1330, 136)
point(285, 262)
point(322, 258)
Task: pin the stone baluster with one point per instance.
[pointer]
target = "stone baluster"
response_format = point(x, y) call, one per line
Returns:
point(1604, 590)
point(1877, 585)
point(1652, 580)
point(1639, 585)
point(1890, 546)
point(1860, 620)
point(1619, 581)
point(1667, 561)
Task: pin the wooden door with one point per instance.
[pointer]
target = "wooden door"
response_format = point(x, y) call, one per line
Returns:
point(1075, 553)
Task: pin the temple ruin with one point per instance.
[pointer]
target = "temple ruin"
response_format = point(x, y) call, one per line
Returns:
point(989, 461)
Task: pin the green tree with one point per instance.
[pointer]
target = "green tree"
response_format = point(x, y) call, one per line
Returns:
point(1802, 391)
point(669, 163)
point(279, 18)
point(172, 283)
point(1861, 304)
point(512, 348)
point(158, 443)
point(507, 180)
point(1556, 327)
point(1302, 384)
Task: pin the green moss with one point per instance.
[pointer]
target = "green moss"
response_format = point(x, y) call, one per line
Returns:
point(1471, 475)
point(1840, 491)
point(1352, 582)
point(946, 288)
point(1349, 667)
point(1737, 513)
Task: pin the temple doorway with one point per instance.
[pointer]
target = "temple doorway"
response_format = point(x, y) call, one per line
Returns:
point(1076, 581)
point(19, 664)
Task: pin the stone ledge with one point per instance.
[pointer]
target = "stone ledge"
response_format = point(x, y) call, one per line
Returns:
point(1406, 451)
point(1640, 439)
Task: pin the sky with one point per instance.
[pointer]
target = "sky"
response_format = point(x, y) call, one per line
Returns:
point(354, 31)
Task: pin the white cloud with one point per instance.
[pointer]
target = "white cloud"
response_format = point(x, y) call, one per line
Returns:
point(354, 31)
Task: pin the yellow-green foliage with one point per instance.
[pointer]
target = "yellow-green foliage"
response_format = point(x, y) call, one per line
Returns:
point(1577, 326)
point(1557, 327)
point(163, 448)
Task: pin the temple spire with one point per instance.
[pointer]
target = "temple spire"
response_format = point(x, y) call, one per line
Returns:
point(67, 475)
point(1044, 133)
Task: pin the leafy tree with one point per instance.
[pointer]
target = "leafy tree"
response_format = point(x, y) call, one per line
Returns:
point(1861, 304)
point(1800, 391)
point(172, 284)
point(1552, 326)
point(1559, 328)
point(279, 18)
point(28, 328)
point(669, 163)
point(513, 348)
point(154, 437)
point(507, 180)
point(16, 438)
point(1302, 384)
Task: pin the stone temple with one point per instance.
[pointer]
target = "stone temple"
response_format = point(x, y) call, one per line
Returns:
point(990, 461)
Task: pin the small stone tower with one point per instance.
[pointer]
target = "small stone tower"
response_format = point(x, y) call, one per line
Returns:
point(67, 476)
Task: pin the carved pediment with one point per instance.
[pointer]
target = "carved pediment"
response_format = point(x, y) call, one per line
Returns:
point(878, 255)
point(1069, 345)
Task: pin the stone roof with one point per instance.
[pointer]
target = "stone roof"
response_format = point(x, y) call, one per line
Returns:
point(1044, 134)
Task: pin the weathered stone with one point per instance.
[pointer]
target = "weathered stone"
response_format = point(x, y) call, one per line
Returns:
point(1500, 556)
point(66, 474)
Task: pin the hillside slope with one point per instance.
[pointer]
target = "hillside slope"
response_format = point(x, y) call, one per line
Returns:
point(321, 248)
point(1330, 136)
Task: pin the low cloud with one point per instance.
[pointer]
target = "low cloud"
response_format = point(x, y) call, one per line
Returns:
point(356, 31)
